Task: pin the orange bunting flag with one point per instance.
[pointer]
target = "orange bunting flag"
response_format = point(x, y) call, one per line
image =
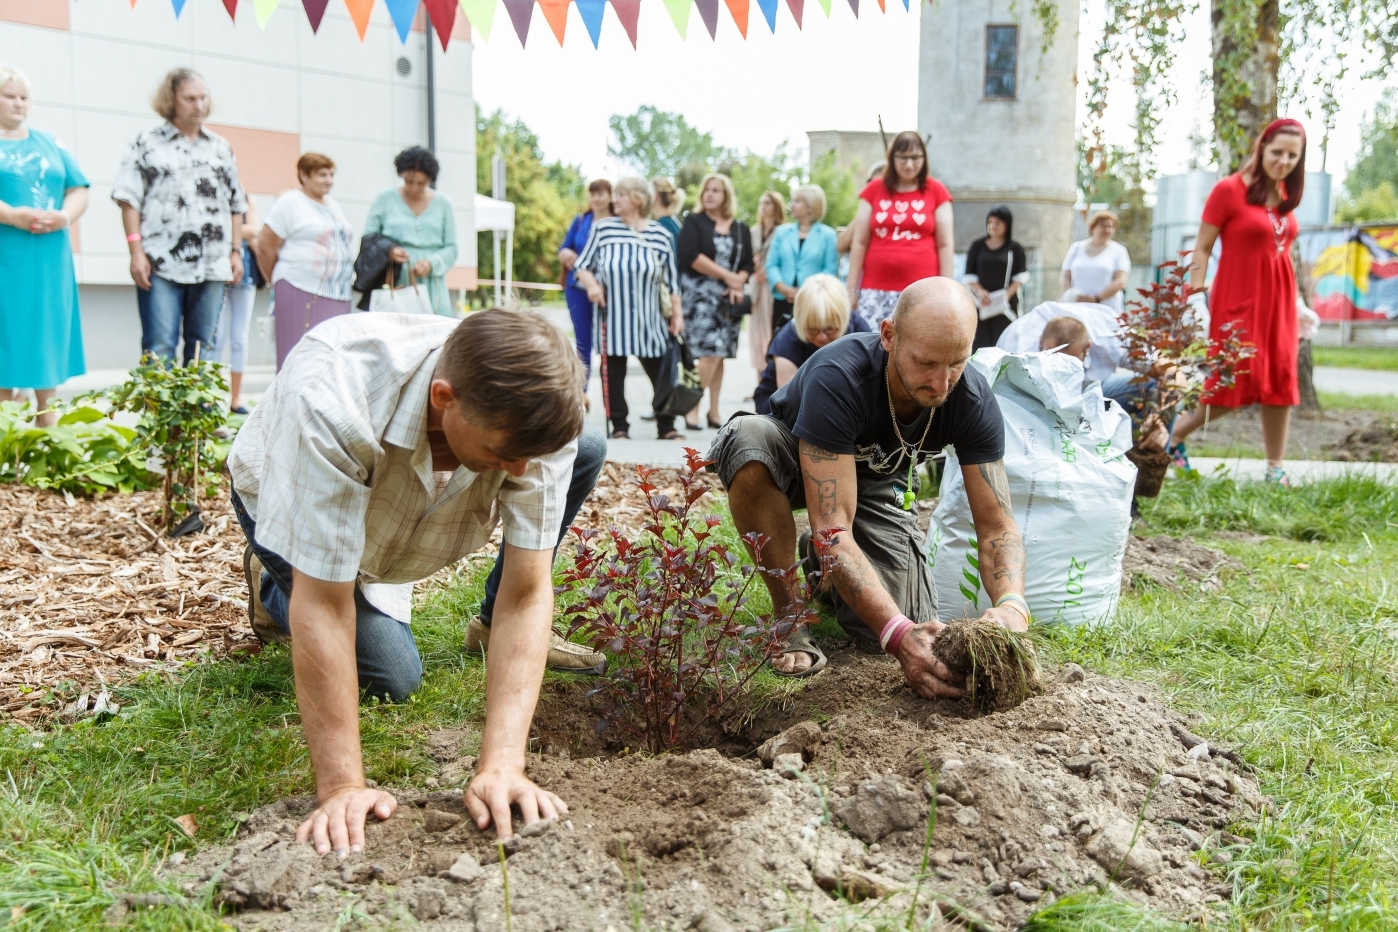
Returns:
point(738, 9)
point(359, 11)
point(556, 15)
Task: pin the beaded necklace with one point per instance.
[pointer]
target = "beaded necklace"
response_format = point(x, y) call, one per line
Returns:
point(1278, 229)
point(909, 452)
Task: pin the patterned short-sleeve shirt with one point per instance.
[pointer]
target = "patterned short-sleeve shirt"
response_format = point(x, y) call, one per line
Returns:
point(187, 191)
point(335, 467)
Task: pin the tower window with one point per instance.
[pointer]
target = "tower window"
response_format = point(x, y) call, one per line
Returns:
point(1001, 56)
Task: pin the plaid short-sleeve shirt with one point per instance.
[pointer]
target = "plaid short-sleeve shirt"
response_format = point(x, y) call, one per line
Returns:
point(335, 467)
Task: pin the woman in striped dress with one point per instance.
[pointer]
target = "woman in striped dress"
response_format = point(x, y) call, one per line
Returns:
point(628, 262)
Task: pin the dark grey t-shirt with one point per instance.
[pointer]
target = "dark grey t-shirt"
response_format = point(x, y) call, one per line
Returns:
point(838, 401)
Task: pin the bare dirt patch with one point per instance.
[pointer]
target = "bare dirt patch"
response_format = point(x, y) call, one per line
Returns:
point(91, 592)
point(1327, 437)
point(1376, 443)
point(1091, 784)
point(1168, 561)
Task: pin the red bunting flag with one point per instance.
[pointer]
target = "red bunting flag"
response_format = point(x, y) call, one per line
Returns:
point(738, 9)
point(797, 6)
point(708, 12)
point(315, 11)
point(556, 15)
point(232, 7)
point(442, 13)
point(520, 13)
point(628, 11)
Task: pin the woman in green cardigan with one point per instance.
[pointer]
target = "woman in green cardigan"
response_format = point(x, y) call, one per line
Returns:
point(420, 220)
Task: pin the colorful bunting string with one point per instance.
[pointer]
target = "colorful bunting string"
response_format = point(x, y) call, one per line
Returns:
point(315, 12)
point(481, 14)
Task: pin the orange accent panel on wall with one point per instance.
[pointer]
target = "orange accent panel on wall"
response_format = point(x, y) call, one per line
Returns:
point(266, 159)
point(51, 14)
point(462, 278)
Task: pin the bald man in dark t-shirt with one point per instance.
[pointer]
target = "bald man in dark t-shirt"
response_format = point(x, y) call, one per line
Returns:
point(844, 438)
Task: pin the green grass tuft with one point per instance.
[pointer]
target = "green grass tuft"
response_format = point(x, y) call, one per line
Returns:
point(1356, 357)
point(1096, 912)
point(1339, 509)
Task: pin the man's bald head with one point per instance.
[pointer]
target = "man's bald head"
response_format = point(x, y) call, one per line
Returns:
point(929, 338)
point(941, 304)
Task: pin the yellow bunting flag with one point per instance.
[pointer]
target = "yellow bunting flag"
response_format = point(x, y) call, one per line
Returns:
point(263, 10)
point(679, 13)
point(480, 14)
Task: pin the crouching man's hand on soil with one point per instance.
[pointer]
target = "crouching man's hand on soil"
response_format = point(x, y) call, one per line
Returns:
point(491, 793)
point(1007, 616)
point(928, 676)
point(338, 823)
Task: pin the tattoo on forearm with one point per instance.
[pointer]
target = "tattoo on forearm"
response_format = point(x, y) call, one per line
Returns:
point(825, 494)
point(817, 455)
point(994, 476)
point(853, 577)
point(1007, 558)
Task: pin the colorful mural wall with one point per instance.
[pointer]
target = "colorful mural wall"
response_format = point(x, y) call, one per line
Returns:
point(1351, 272)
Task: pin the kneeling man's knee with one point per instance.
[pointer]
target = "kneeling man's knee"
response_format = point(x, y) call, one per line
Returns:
point(395, 683)
point(752, 476)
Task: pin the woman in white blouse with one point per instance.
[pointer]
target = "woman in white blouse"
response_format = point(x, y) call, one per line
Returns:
point(1096, 268)
point(305, 249)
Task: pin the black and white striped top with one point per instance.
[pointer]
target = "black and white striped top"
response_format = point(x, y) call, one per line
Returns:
point(630, 266)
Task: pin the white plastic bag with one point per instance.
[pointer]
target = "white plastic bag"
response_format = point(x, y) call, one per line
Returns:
point(1070, 484)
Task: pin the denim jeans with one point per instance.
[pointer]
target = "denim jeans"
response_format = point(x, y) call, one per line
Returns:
point(168, 305)
point(587, 466)
point(1123, 388)
point(384, 649)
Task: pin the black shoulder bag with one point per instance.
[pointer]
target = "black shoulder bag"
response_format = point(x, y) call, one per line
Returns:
point(737, 310)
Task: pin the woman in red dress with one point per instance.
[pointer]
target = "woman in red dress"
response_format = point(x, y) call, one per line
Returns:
point(1254, 287)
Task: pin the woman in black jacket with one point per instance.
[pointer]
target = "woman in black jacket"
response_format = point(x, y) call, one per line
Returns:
point(996, 270)
point(715, 257)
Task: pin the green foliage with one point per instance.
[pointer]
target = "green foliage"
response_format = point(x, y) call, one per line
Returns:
point(1357, 357)
point(1371, 186)
point(546, 196)
point(1377, 203)
point(84, 453)
point(1117, 181)
point(1097, 912)
point(180, 407)
point(659, 143)
point(841, 189)
point(753, 175)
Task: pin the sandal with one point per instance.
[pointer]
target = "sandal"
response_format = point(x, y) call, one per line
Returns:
point(799, 642)
point(672, 435)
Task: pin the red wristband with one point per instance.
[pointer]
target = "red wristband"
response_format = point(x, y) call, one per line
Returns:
point(133, 238)
point(893, 632)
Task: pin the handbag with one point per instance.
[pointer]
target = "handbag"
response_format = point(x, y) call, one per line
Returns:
point(735, 311)
point(1000, 299)
point(412, 298)
point(678, 388)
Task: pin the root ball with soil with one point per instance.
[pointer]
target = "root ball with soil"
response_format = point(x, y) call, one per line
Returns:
point(1000, 666)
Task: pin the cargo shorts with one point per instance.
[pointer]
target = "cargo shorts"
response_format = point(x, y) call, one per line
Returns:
point(888, 535)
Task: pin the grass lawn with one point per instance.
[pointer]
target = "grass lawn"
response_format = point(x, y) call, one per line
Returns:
point(1357, 357)
point(1296, 663)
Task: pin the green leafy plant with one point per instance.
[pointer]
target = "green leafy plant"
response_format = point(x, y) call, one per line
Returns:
point(84, 453)
point(180, 407)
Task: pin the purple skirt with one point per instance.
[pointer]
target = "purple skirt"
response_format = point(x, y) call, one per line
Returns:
point(296, 311)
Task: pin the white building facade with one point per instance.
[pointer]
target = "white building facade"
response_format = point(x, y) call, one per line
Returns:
point(277, 92)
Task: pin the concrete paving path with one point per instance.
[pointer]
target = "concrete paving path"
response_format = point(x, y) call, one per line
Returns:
point(1356, 381)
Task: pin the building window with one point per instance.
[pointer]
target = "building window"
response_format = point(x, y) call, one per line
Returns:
point(1001, 56)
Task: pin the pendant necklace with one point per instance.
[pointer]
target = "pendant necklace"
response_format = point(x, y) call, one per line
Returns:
point(909, 452)
point(1278, 229)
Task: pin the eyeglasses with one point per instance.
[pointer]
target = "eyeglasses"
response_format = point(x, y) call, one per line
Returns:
point(812, 333)
point(908, 159)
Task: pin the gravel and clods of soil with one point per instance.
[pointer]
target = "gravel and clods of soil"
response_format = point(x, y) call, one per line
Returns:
point(1349, 434)
point(823, 819)
point(1167, 561)
point(91, 593)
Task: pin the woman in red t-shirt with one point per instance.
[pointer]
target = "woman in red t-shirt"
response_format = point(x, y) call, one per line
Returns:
point(902, 232)
point(1254, 287)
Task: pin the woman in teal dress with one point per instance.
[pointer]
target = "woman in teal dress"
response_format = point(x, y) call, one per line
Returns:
point(420, 220)
point(42, 193)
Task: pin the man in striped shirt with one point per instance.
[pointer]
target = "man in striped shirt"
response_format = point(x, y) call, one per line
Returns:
point(386, 449)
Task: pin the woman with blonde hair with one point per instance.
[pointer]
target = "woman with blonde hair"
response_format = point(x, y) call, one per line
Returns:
point(800, 249)
point(1095, 269)
point(821, 316)
point(771, 213)
point(626, 267)
point(715, 256)
point(42, 193)
point(669, 201)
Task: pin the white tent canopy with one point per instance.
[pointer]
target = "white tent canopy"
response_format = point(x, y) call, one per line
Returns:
point(498, 217)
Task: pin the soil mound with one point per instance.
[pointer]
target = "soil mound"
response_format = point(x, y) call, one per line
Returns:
point(999, 666)
point(1377, 443)
point(1089, 784)
point(1163, 560)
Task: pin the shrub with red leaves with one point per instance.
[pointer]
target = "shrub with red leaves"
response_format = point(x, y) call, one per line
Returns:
point(1161, 334)
point(671, 607)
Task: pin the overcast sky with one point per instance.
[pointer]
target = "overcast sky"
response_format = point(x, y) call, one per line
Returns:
point(839, 73)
